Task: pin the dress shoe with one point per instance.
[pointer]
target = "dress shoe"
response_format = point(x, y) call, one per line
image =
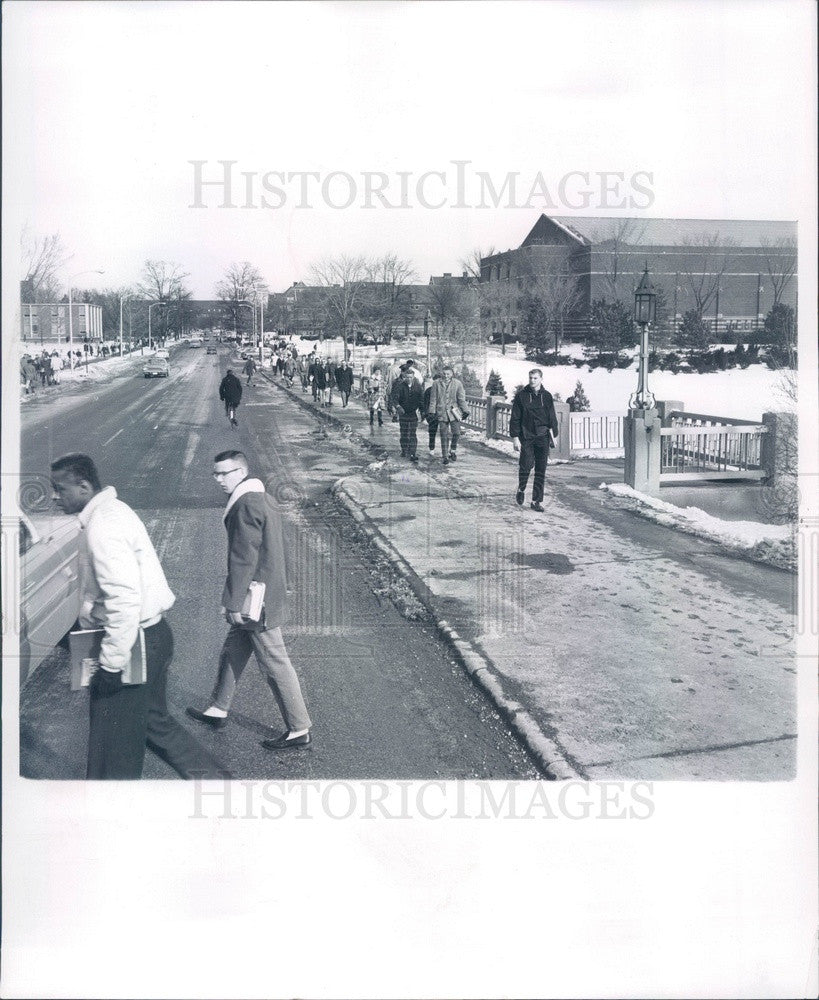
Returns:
point(214, 721)
point(452, 456)
point(283, 743)
point(413, 458)
point(519, 498)
point(536, 505)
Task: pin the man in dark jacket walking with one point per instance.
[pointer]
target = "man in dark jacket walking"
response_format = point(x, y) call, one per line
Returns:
point(344, 381)
point(532, 425)
point(255, 556)
point(408, 400)
point(230, 390)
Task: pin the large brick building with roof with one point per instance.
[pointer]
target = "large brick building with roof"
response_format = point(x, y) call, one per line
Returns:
point(731, 271)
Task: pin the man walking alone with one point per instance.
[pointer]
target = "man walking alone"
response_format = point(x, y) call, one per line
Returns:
point(255, 555)
point(230, 390)
point(532, 424)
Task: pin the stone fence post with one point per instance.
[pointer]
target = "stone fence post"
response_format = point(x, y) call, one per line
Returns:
point(641, 437)
point(491, 402)
point(666, 406)
point(562, 448)
point(778, 454)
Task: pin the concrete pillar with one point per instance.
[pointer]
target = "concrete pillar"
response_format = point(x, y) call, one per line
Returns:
point(641, 434)
point(562, 448)
point(779, 447)
point(491, 402)
point(666, 406)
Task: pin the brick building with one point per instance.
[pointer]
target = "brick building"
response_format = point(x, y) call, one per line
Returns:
point(730, 271)
point(47, 322)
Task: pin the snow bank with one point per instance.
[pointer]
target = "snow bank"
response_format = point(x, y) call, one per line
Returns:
point(767, 543)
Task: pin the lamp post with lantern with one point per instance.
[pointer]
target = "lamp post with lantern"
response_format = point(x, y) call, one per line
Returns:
point(645, 312)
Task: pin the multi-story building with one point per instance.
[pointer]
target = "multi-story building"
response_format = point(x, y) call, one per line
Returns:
point(47, 322)
point(730, 272)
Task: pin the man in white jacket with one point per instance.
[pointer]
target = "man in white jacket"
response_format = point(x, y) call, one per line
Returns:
point(122, 590)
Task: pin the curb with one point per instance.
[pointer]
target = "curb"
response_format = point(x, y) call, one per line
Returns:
point(544, 751)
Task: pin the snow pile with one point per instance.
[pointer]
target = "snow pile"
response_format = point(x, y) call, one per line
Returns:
point(767, 543)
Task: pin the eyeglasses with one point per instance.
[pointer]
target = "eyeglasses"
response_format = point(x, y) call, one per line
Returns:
point(227, 472)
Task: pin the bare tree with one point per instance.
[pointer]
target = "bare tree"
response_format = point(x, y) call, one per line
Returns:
point(780, 264)
point(344, 279)
point(704, 263)
point(614, 239)
point(553, 294)
point(43, 257)
point(386, 303)
point(240, 282)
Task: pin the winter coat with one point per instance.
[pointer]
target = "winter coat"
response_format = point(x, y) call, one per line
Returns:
point(533, 415)
point(250, 367)
point(408, 398)
point(255, 552)
point(230, 389)
point(443, 398)
point(320, 377)
point(344, 379)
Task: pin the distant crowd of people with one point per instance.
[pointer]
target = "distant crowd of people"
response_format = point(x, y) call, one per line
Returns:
point(410, 396)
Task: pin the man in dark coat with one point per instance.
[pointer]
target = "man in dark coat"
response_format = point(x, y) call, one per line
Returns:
point(230, 390)
point(255, 556)
point(408, 400)
point(532, 425)
point(319, 380)
point(344, 381)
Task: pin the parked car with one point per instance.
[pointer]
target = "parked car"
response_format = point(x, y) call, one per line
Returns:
point(211, 349)
point(48, 547)
point(156, 368)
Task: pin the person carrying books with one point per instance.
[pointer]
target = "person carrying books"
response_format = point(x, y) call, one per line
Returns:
point(256, 565)
point(123, 591)
point(447, 406)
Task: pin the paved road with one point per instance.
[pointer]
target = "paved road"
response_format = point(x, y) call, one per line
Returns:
point(386, 699)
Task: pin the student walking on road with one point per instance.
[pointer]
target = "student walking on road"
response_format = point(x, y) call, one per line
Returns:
point(123, 592)
point(532, 426)
point(249, 370)
point(447, 404)
point(375, 396)
point(230, 390)
point(255, 556)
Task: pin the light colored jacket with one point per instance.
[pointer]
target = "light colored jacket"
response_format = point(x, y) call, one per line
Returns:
point(444, 397)
point(122, 584)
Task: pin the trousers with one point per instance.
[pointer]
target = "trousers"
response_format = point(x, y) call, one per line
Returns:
point(533, 451)
point(407, 435)
point(125, 718)
point(275, 665)
point(449, 431)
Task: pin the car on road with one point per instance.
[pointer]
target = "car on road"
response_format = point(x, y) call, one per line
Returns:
point(211, 349)
point(48, 547)
point(160, 352)
point(156, 368)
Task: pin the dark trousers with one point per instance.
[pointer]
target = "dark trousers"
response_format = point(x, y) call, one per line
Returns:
point(534, 451)
point(432, 427)
point(127, 717)
point(345, 396)
point(407, 435)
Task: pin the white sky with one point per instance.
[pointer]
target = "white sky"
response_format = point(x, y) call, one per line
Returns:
point(109, 102)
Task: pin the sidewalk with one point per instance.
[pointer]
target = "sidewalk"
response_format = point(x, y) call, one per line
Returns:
point(617, 647)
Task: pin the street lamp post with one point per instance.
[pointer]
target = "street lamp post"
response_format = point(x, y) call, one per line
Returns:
point(123, 298)
point(150, 307)
point(70, 312)
point(645, 311)
point(427, 319)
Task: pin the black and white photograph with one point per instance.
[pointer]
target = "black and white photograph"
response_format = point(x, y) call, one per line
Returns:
point(409, 466)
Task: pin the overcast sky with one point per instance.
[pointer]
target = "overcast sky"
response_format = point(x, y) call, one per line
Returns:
point(107, 104)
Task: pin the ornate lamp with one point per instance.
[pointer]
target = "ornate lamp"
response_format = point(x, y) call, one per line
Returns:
point(645, 312)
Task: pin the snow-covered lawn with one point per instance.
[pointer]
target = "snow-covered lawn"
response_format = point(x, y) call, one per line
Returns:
point(744, 394)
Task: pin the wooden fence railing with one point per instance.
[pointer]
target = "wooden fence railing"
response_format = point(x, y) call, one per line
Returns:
point(700, 447)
